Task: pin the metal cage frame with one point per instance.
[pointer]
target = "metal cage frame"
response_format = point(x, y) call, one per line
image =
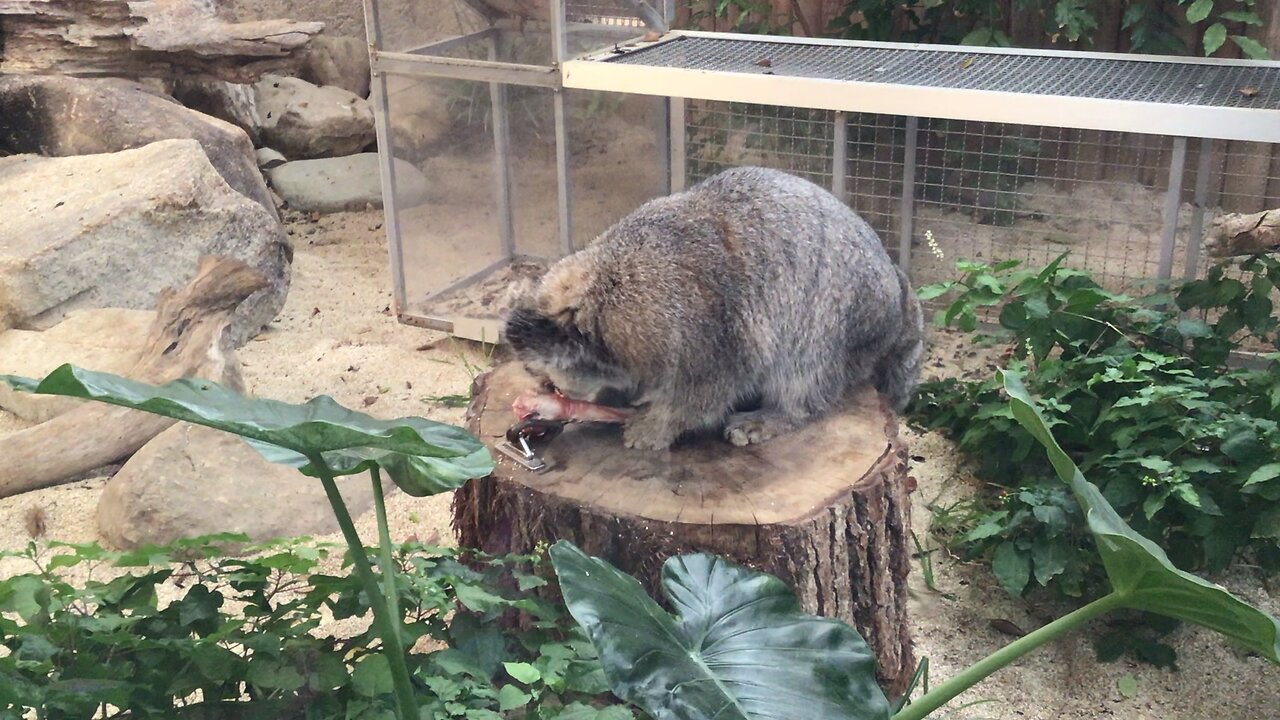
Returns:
point(911, 81)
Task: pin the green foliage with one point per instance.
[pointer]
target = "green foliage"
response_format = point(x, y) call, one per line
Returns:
point(1140, 573)
point(238, 639)
point(1140, 394)
point(757, 17)
point(323, 440)
point(1149, 26)
point(739, 650)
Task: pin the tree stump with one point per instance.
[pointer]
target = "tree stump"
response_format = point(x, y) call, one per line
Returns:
point(825, 509)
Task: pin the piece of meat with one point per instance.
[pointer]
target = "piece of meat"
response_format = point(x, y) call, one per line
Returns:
point(554, 406)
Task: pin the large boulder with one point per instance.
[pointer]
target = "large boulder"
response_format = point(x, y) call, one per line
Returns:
point(419, 120)
point(102, 339)
point(64, 116)
point(191, 481)
point(345, 183)
point(304, 121)
point(113, 230)
point(235, 103)
point(337, 61)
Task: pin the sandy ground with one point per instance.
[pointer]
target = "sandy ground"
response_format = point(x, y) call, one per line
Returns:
point(337, 336)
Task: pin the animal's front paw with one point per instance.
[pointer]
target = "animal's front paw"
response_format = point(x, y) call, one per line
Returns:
point(644, 432)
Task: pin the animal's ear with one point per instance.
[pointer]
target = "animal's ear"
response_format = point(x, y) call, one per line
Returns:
point(528, 328)
point(563, 288)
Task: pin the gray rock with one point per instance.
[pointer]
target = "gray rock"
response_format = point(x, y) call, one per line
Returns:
point(107, 115)
point(303, 120)
point(419, 119)
point(102, 339)
point(236, 103)
point(338, 61)
point(345, 183)
point(192, 481)
point(114, 230)
point(268, 158)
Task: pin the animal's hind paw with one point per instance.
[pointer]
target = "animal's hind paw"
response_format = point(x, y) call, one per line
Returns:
point(645, 432)
point(751, 429)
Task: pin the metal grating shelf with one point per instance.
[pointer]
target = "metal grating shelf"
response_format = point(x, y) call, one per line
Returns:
point(1111, 79)
point(1237, 100)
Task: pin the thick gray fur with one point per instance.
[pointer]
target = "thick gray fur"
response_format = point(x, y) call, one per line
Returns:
point(751, 288)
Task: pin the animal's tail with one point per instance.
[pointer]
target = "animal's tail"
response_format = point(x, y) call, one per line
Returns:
point(899, 368)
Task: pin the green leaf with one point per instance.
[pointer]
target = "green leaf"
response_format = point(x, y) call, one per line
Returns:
point(26, 595)
point(476, 598)
point(1251, 47)
point(1214, 36)
point(581, 711)
point(1194, 328)
point(1012, 567)
point(719, 659)
point(275, 676)
point(929, 292)
point(524, 672)
point(1199, 10)
point(1050, 559)
point(1266, 473)
point(372, 676)
point(1140, 572)
point(421, 456)
point(1128, 686)
point(511, 697)
point(1241, 16)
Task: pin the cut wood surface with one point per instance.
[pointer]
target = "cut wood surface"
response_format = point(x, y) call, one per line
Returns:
point(186, 340)
point(158, 38)
point(1236, 234)
point(825, 509)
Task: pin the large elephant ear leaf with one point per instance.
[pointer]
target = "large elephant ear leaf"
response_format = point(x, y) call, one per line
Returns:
point(740, 649)
point(1140, 572)
point(422, 457)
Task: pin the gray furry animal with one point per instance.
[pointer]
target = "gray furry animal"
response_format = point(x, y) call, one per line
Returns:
point(751, 303)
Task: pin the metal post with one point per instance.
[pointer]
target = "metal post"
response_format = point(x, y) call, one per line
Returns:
point(1172, 200)
point(559, 52)
point(666, 121)
point(502, 152)
point(678, 171)
point(663, 143)
point(839, 153)
point(906, 208)
point(1196, 231)
point(386, 160)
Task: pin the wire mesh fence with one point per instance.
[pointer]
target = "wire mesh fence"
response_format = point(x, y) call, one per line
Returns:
point(993, 191)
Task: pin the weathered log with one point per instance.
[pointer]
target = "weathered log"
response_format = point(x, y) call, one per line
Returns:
point(1236, 234)
point(825, 509)
point(156, 38)
point(187, 339)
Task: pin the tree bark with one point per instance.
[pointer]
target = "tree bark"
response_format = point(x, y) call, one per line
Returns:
point(825, 509)
point(159, 38)
point(1235, 234)
point(186, 340)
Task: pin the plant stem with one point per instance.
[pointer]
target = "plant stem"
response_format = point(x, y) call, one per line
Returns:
point(975, 673)
point(406, 708)
point(384, 548)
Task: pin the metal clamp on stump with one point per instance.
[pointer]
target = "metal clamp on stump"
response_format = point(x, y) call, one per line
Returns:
point(523, 435)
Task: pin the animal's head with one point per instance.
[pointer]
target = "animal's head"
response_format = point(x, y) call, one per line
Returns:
point(551, 328)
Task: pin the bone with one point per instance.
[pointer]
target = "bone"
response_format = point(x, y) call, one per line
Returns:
point(552, 406)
